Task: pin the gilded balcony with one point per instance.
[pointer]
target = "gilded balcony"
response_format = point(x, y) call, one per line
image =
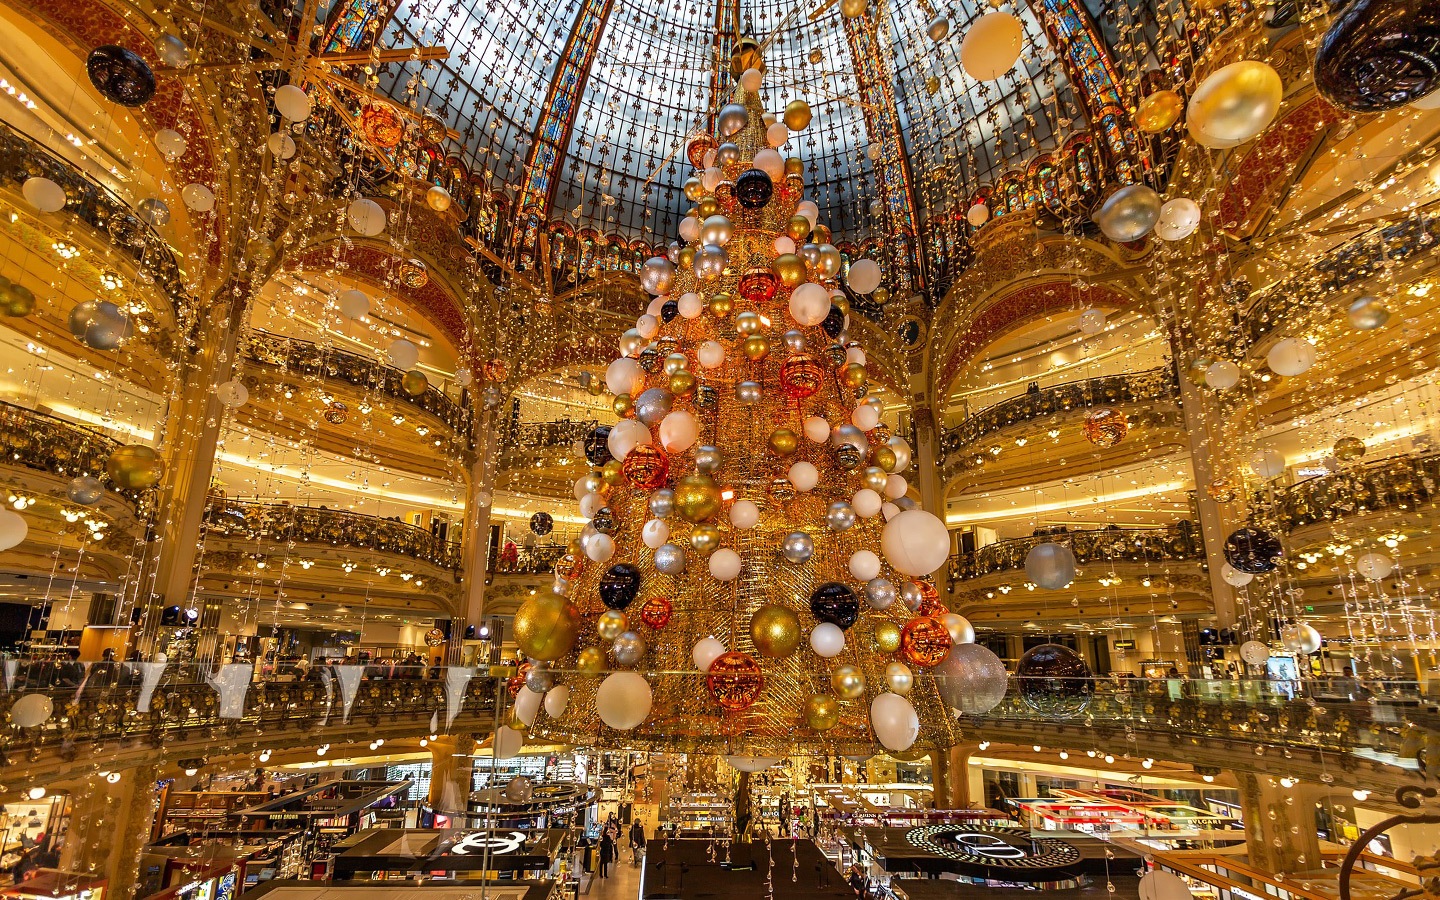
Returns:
point(1176, 543)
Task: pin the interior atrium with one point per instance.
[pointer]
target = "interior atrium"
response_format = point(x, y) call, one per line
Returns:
point(664, 450)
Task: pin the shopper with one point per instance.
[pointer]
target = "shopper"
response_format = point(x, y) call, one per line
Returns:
point(607, 852)
point(637, 842)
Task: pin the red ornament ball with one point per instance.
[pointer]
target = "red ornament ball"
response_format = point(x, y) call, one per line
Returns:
point(925, 642)
point(655, 612)
point(735, 680)
point(646, 467)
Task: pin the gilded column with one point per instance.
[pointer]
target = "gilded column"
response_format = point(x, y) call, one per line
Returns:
point(109, 826)
point(1280, 833)
point(452, 772)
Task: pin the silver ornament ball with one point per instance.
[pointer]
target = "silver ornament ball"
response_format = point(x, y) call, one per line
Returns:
point(798, 547)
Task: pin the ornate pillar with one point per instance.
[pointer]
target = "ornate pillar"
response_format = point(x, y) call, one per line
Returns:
point(452, 772)
point(109, 826)
point(952, 776)
point(479, 499)
point(1280, 834)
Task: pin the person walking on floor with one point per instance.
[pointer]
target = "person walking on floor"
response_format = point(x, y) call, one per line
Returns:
point(607, 853)
point(637, 842)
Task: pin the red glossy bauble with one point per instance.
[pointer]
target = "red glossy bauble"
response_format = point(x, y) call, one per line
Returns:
point(735, 680)
point(758, 285)
point(925, 642)
point(655, 612)
point(646, 467)
point(801, 376)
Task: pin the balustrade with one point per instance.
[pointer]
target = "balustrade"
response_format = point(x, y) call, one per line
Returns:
point(280, 523)
point(1176, 543)
point(1397, 483)
point(45, 443)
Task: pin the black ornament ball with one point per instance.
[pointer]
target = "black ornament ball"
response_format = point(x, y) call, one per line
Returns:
point(121, 76)
point(835, 603)
point(597, 448)
point(619, 585)
point(669, 310)
point(1253, 551)
point(541, 523)
point(605, 521)
point(1380, 54)
point(753, 189)
point(834, 322)
point(1054, 680)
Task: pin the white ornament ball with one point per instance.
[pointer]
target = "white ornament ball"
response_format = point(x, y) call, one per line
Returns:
point(626, 435)
point(403, 354)
point(866, 503)
point(527, 705)
point(809, 304)
point(624, 376)
point(705, 652)
point(816, 429)
point(751, 79)
point(623, 700)
point(170, 143)
point(977, 215)
point(655, 533)
point(1255, 652)
point(366, 217)
point(1233, 576)
point(771, 163)
point(725, 564)
point(1222, 375)
point(804, 476)
point(864, 276)
point(1374, 566)
point(915, 542)
point(827, 640)
point(895, 487)
point(353, 303)
point(600, 548)
point(197, 197)
point(232, 394)
point(690, 305)
point(744, 514)
point(1291, 357)
point(557, 699)
point(1092, 321)
point(864, 565)
point(711, 354)
point(292, 103)
point(777, 134)
point(12, 529)
point(679, 431)
point(43, 194)
point(1268, 463)
point(865, 417)
point(1178, 219)
point(895, 722)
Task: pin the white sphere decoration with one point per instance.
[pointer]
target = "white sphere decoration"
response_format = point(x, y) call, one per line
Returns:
point(816, 429)
point(751, 78)
point(1300, 638)
point(810, 210)
point(353, 303)
point(751, 763)
point(232, 394)
point(809, 304)
point(895, 487)
point(856, 356)
point(1255, 652)
point(977, 215)
point(710, 354)
point(292, 103)
point(895, 722)
point(991, 46)
point(771, 163)
point(915, 542)
point(725, 564)
point(1374, 566)
point(1268, 463)
point(1178, 219)
point(827, 640)
point(711, 178)
point(804, 476)
point(12, 529)
point(705, 652)
point(655, 533)
point(690, 305)
point(777, 134)
point(864, 565)
point(197, 197)
point(591, 503)
point(657, 306)
point(403, 354)
point(678, 431)
point(744, 514)
point(366, 217)
point(890, 510)
point(527, 705)
point(43, 194)
point(864, 276)
point(783, 245)
point(623, 700)
point(626, 435)
point(1050, 565)
point(1291, 357)
point(1222, 375)
point(648, 326)
point(557, 700)
point(508, 742)
point(902, 452)
point(1092, 321)
point(170, 143)
point(1158, 884)
point(31, 710)
point(600, 548)
point(866, 503)
point(282, 145)
point(1233, 576)
point(689, 229)
point(961, 631)
point(865, 417)
point(624, 376)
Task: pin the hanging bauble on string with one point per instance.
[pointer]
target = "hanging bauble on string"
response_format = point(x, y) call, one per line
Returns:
point(1234, 104)
point(1054, 680)
point(120, 75)
point(1158, 111)
point(542, 524)
point(1253, 551)
point(1050, 565)
point(1129, 213)
point(991, 46)
point(1380, 54)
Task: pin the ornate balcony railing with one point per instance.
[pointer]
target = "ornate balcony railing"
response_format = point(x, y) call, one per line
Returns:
point(527, 438)
point(22, 157)
point(1396, 483)
point(530, 560)
point(35, 440)
point(304, 358)
point(280, 523)
point(1138, 387)
point(1177, 543)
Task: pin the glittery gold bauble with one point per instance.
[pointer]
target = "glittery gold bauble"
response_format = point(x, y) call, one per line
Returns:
point(852, 9)
point(853, 375)
point(697, 497)
point(748, 323)
point(686, 258)
point(694, 190)
point(707, 207)
point(798, 228)
point(886, 636)
point(611, 624)
point(591, 659)
point(682, 384)
point(816, 56)
point(875, 479)
point(1105, 427)
point(1349, 449)
point(883, 457)
point(546, 626)
point(881, 296)
point(841, 303)
point(790, 268)
point(721, 305)
point(794, 165)
point(705, 538)
point(1159, 111)
point(756, 347)
point(848, 682)
point(135, 467)
point(925, 642)
point(624, 406)
point(822, 712)
point(734, 680)
point(797, 115)
point(775, 629)
point(784, 441)
point(820, 234)
point(612, 473)
point(575, 549)
point(414, 383)
point(1221, 490)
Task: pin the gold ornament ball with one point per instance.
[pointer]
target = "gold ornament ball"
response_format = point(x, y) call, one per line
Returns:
point(546, 626)
point(705, 538)
point(16, 301)
point(842, 304)
point(515, 724)
point(676, 362)
point(794, 167)
point(875, 478)
point(414, 383)
point(721, 305)
point(820, 234)
point(853, 376)
point(611, 624)
point(1349, 449)
point(624, 406)
point(798, 228)
point(816, 56)
point(790, 267)
point(135, 467)
point(756, 347)
point(886, 637)
point(775, 629)
point(881, 296)
point(784, 441)
point(852, 9)
point(822, 712)
point(707, 207)
point(612, 473)
point(694, 190)
point(682, 384)
point(697, 497)
point(686, 259)
point(1197, 369)
point(1159, 111)
point(797, 115)
point(1234, 104)
point(848, 682)
point(898, 678)
point(748, 323)
point(591, 659)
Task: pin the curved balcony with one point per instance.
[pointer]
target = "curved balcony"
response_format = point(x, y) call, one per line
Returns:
point(1398, 484)
point(1177, 543)
point(45, 443)
point(304, 358)
point(95, 205)
point(1137, 387)
point(525, 440)
point(530, 560)
point(282, 524)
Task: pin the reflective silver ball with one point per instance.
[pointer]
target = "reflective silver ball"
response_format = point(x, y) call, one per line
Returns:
point(1368, 313)
point(99, 324)
point(795, 340)
point(911, 596)
point(85, 490)
point(748, 392)
point(153, 211)
point(173, 51)
point(708, 459)
point(904, 503)
point(1129, 213)
point(670, 559)
point(727, 154)
point(840, 516)
point(539, 679)
point(628, 648)
point(657, 275)
point(733, 117)
point(560, 587)
point(811, 254)
point(662, 503)
point(879, 593)
point(849, 434)
point(710, 262)
point(653, 405)
point(798, 547)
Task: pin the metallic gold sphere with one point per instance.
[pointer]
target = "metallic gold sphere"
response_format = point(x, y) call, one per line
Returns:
point(705, 538)
point(848, 682)
point(624, 406)
point(721, 305)
point(798, 228)
point(797, 115)
point(898, 678)
point(1234, 104)
point(682, 384)
point(611, 624)
point(794, 166)
point(790, 267)
point(853, 376)
point(1159, 111)
point(841, 303)
point(775, 629)
point(822, 712)
point(884, 458)
point(591, 659)
point(875, 479)
point(707, 207)
point(414, 383)
point(676, 362)
point(885, 636)
point(546, 627)
point(685, 259)
point(881, 296)
point(756, 347)
point(135, 467)
point(694, 190)
point(816, 56)
point(784, 441)
point(612, 473)
point(575, 548)
point(852, 9)
point(748, 323)
point(820, 234)
point(697, 497)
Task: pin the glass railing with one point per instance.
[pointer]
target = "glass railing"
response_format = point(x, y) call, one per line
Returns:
point(281, 523)
point(1139, 387)
point(1400, 483)
point(1176, 543)
point(45, 443)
